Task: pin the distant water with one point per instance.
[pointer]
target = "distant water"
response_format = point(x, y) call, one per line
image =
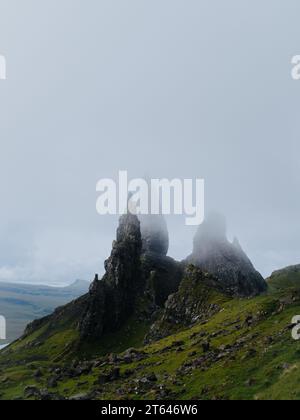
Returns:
point(2, 346)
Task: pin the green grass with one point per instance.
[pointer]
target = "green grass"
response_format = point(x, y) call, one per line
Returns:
point(273, 372)
point(285, 279)
point(132, 334)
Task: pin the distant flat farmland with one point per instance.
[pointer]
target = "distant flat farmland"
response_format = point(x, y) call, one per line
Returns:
point(22, 303)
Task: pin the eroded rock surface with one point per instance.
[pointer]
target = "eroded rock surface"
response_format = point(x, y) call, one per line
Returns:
point(199, 297)
point(112, 299)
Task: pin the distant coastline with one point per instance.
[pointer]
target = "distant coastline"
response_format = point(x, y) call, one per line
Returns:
point(2, 346)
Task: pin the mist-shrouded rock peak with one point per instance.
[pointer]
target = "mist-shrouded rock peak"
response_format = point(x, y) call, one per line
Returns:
point(155, 236)
point(137, 274)
point(227, 261)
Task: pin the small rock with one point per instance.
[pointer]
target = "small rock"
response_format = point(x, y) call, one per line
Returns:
point(38, 373)
point(80, 397)
point(31, 391)
point(250, 382)
point(152, 377)
point(52, 382)
point(206, 346)
point(285, 366)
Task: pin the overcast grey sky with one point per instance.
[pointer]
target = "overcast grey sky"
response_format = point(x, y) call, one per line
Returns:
point(162, 88)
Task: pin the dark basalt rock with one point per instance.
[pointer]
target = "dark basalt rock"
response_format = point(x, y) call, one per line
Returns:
point(226, 261)
point(136, 277)
point(163, 276)
point(194, 302)
point(137, 282)
point(139, 279)
point(112, 299)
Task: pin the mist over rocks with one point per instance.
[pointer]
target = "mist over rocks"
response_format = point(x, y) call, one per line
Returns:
point(163, 272)
point(211, 232)
point(139, 274)
point(140, 280)
point(155, 235)
point(227, 261)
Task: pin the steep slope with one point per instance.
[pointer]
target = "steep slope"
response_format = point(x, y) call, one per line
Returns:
point(198, 329)
point(226, 261)
point(139, 278)
point(243, 351)
point(285, 278)
point(120, 307)
point(112, 300)
point(200, 296)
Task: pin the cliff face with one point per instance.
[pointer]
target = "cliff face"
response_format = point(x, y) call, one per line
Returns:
point(211, 337)
point(112, 299)
point(163, 274)
point(138, 279)
point(145, 293)
point(227, 261)
point(199, 297)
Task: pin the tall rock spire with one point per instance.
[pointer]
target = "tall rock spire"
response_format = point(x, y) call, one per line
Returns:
point(111, 300)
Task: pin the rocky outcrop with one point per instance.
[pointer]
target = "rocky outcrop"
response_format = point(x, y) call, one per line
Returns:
point(199, 297)
point(112, 299)
point(140, 278)
point(163, 274)
point(226, 261)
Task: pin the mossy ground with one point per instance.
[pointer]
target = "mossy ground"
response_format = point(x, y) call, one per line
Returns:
point(265, 366)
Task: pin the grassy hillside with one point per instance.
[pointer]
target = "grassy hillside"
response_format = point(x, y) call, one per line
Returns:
point(287, 277)
point(245, 351)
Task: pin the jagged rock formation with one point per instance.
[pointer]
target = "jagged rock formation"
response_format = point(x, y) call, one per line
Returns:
point(138, 279)
point(112, 299)
point(163, 274)
point(137, 282)
point(199, 297)
point(245, 341)
point(226, 261)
